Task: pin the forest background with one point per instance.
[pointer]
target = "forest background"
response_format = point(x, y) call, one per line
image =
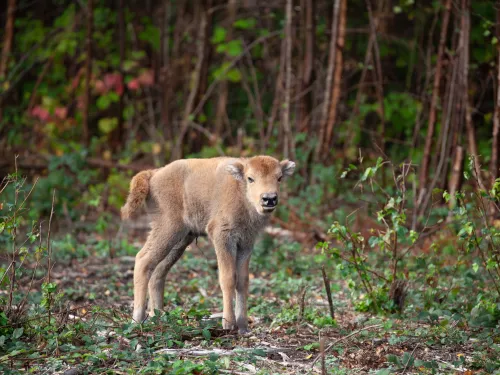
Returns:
point(390, 108)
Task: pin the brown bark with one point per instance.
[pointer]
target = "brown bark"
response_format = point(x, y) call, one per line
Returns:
point(7, 44)
point(379, 88)
point(88, 73)
point(435, 95)
point(165, 75)
point(337, 82)
point(118, 134)
point(471, 134)
point(307, 74)
point(494, 166)
point(288, 143)
point(220, 114)
point(329, 79)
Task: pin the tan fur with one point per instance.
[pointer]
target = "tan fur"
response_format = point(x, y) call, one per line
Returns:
point(191, 197)
point(139, 190)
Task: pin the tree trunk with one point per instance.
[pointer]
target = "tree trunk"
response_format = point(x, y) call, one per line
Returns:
point(379, 88)
point(7, 44)
point(329, 79)
point(165, 74)
point(494, 166)
point(195, 83)
point(220, 114)
point(434, 99)
point(471, 135)
point(288, 143)
point(337, 82)
point(305, 103)
point(88, 73)
point(118, 135)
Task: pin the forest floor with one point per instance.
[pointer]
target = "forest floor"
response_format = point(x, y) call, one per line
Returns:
point(288, 309)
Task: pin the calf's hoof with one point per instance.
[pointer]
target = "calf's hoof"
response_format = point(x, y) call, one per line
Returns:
point(229, 325)
point(243, 331)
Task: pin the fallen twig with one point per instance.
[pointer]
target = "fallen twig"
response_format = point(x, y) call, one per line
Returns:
point(345, 338)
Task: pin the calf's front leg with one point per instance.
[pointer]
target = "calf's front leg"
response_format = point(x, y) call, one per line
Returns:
point(227, 280)
point(242, 295)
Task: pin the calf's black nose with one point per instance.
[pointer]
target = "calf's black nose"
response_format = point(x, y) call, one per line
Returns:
point(269, 199)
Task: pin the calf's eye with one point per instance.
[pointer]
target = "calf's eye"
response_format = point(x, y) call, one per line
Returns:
point(279, 178)
point(251, 180)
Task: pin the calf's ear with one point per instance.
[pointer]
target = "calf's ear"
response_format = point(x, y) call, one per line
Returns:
point(287, 167)
point(236, 170)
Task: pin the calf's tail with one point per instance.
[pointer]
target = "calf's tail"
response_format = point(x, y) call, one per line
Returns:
point(139, 190)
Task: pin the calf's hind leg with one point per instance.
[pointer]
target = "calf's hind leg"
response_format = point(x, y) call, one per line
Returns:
point(157, 282)
point(162, 238)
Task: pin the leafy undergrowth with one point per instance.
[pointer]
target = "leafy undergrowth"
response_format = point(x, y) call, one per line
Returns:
point(404, 301)
point(90, 329)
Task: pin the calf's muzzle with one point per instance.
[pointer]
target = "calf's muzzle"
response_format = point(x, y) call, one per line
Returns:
point(269, 200)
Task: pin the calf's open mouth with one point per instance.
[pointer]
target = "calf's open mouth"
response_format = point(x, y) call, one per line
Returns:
point(268, 209)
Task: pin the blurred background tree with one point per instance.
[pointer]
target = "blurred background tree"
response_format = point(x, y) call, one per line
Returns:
point(123, 85)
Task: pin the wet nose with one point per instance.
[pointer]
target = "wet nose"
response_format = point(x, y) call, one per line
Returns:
point(269, 199)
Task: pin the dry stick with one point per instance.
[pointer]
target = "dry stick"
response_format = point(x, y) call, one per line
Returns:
point(329, 79)
point(328, 292)
point(14, 234)
point(409, 359)
point(302, 304)
point(434, 100)
point(25, 299)
point(322, 353)
point(49, 252)
point(345, 338)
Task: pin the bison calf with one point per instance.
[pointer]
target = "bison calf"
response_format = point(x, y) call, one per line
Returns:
point(227, 198)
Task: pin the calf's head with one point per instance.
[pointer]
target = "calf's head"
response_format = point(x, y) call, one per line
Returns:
point(261, 176)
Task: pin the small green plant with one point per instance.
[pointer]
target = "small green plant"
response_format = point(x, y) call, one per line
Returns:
point(385, 289)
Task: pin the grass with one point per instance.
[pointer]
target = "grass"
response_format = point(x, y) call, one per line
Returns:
point(77, 321)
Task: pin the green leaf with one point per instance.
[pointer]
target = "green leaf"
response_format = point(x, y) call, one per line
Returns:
point(234, 75)
point(151, 35)
point(18, 332)
point(245, 23)
point(234, 48)
point(206, 334)
point(103, 102)
point(219, 35)
point(107, 124)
